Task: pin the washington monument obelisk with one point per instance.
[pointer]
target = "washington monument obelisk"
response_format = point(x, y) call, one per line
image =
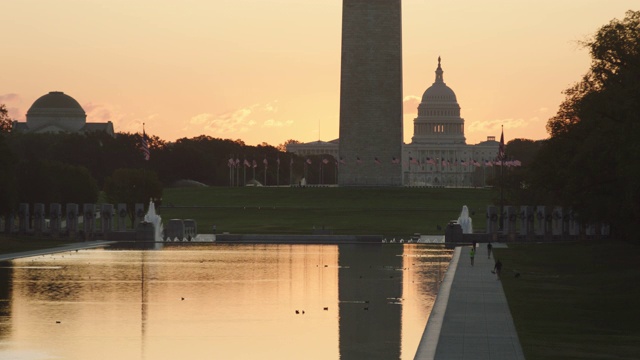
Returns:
point(371, 94)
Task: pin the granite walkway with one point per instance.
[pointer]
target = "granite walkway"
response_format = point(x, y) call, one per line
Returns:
point(57, 249)
point(471, 317)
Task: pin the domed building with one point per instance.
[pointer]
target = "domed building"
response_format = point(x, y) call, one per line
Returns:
point(438, 118)
point(438, 154)
point(58, 112)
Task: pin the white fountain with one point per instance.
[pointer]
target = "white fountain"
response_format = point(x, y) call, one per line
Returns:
point(155, 219)
point(465, 221)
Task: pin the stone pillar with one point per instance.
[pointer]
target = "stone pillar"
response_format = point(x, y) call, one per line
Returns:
point(566, 221)
point(556, 221)
point(122, 217)
point(510, 220)
point(139, 215)
point(574, 225)
point(72, 219)
point(371, 93)
point(541, 212)
point(38, 218)
point(527, 216)
point(55, 218)
point(548, 218)
point(106, 215)
point(89, 220)
point(492, 222)
point(23, 218)
point(10, 223)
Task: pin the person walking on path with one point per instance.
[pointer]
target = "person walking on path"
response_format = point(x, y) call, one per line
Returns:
point(497, 268)
point(489, 247)
point(472, 254)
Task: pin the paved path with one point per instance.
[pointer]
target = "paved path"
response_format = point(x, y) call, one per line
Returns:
point(471, 317)
point(57, 249)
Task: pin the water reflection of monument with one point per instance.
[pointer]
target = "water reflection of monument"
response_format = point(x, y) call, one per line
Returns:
point(370, 279)
point(6, 288)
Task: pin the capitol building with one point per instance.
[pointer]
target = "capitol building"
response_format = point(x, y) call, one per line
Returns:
point(438, 154)
point(57, 112)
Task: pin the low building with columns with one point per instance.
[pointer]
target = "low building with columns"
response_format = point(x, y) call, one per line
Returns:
point(438, 154)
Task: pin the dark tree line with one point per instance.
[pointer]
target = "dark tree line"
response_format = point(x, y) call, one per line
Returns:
point(75, 167)
point(591, 162)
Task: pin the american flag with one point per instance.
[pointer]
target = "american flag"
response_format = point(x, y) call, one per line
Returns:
point(325, 161)
point(395, 160)
point(231, 163)
point(342, 161)
point(501, 148)
point(358, 160)
point(255, 164)
point(247, 163)
point(265, 162)
point(144, 146)
point(309, 161)
point(376, 160)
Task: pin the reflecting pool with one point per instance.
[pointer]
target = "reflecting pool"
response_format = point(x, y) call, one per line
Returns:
point(216, 301)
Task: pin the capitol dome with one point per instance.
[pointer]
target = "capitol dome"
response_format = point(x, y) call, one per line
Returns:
point(439, 120)
point(439, 91)
point(56, 112)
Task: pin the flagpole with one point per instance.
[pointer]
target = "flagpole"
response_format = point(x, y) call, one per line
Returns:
point(501, 155)
point(291, 170)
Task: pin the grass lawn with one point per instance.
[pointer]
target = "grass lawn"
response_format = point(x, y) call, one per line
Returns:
point(574, 300)
point(391, 212)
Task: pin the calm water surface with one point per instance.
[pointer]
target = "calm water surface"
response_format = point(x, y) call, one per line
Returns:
point(215, 301)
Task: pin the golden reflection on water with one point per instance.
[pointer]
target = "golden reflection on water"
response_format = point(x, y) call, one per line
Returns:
point(216, 302)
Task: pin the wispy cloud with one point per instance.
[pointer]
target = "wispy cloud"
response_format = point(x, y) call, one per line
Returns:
point(122, 121)
point(13, 103)
point(493, 126)
point(5, 98)
point(238, 121)
point(410, 104)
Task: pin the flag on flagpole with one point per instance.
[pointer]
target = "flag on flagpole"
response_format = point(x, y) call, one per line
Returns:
point(265, 162)
point(375, 159)
point(325, 161)
point(395, 160)
point(144, 146)
point(501, 147)
point(358, 160)
point(247, 163)
point(342, 161)
point(255, 164)
point(230, 162)
point(308, 161)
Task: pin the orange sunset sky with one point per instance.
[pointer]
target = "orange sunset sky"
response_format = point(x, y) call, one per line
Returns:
point(269, 70)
